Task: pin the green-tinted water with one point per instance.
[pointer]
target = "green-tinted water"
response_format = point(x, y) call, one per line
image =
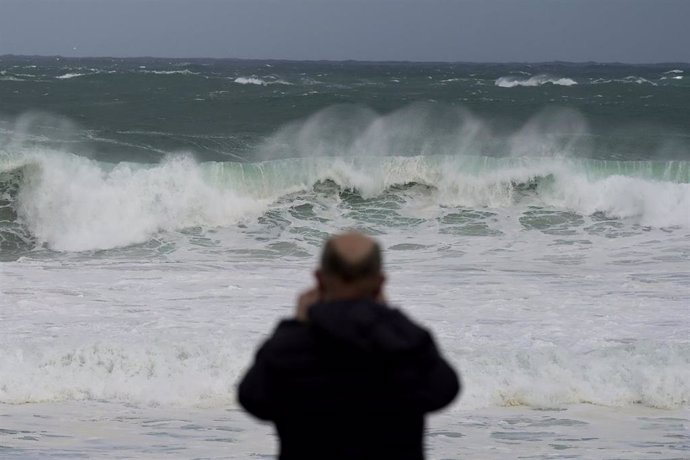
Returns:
point(139, 109)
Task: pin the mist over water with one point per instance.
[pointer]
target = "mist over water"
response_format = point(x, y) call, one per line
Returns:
point(69, 202)
point(157, 216)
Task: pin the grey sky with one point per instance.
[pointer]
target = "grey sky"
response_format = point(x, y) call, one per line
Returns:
point(423, 30)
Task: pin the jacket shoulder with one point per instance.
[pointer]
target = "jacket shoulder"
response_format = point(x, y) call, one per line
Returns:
point(368, 327)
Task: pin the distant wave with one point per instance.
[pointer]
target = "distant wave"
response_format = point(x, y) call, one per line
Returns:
point(637, 80)
point(259, 81)
point(5, 76)
point(537, 80)
point(67, 76)
point(250, 81)
point(629, 79)
point(169, 72)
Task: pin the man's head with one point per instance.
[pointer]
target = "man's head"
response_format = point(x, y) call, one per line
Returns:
point(351, 268)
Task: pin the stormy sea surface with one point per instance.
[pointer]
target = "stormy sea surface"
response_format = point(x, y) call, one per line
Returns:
point(158, 217)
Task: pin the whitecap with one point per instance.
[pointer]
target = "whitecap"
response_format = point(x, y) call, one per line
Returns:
point(170, 72)
point(637, 80)
point(537, 80)
point(259, 82)
point(67, 76)
point(250, 81)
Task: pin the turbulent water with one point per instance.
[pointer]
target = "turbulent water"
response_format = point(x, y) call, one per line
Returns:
point(157, 216)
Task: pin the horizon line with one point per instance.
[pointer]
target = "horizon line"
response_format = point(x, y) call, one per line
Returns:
point(359, 61)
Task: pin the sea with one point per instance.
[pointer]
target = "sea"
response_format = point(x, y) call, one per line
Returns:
point(158, 217)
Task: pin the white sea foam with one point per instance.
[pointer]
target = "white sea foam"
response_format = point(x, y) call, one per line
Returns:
point(550, 377)
point(179, 375)
point(537, 80)
point(180, 332)
point(202, 374)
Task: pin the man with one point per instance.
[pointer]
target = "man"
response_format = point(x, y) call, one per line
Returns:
point(348, 378)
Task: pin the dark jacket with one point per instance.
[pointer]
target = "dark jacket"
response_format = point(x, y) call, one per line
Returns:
point(354, 382)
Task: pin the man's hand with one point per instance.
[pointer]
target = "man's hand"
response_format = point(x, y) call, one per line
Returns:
point(305, 301)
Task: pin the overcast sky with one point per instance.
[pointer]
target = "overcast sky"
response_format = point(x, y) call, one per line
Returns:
point(423, 30)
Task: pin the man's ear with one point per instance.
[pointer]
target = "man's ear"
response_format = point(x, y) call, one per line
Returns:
point(379, 293)
point(381, 281)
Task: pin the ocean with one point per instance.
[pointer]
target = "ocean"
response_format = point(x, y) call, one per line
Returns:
point(159, 216)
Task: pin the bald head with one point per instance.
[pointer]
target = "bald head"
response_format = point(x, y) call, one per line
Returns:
point(351, 257)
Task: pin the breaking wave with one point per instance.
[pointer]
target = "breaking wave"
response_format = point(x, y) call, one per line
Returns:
point(68, 202)
point(71, 203)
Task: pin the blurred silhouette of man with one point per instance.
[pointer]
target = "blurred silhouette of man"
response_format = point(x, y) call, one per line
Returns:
point(348, 377)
